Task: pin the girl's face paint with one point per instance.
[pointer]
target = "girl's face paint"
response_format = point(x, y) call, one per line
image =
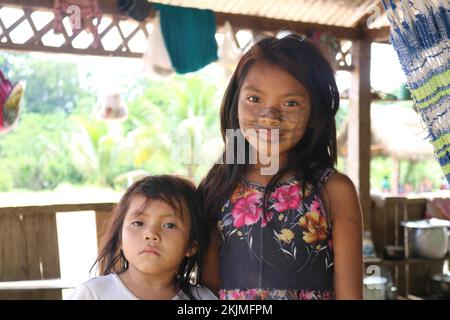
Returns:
point(272, 99)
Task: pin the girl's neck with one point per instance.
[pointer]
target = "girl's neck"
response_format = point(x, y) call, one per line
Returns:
point(265, 161)
point(149, 287)
point(255, 172)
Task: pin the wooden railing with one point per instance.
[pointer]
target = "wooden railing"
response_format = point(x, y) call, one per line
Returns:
point(29, 257)
point(29, 249)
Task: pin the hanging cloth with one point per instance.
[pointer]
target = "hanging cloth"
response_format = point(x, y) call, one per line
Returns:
point(10, 98)
point(229, 52)
point(110, 107)
point(189, 36)
point(156, 59)
point(420, 33)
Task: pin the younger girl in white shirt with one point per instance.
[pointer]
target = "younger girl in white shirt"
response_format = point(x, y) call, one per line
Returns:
point(154, 245)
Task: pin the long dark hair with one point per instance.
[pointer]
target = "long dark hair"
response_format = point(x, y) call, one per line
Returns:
point(317, 148)
point(173, 190)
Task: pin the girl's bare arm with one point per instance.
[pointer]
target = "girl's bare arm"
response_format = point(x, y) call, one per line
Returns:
point(342, 202)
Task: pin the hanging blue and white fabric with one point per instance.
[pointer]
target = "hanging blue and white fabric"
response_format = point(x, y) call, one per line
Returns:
point(420, 33)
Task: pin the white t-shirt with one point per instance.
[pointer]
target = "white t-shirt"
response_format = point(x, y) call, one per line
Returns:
point(110, 287)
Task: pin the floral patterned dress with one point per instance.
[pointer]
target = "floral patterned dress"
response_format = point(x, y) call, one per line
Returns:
point(286, 254)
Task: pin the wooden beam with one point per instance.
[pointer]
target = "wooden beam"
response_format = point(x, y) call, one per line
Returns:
point(239, 21)
point(63, 49)
point(50, 209)
point(109, 7)
point(380, 35)
point(377, 35)
point(359, 135)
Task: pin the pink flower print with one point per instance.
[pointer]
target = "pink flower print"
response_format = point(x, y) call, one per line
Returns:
point(327, 295)
point(236, 295)
point(287, 198)
point(246, 211)
point(315, 206)
point(306, 295)
point(251, 294)
point(266, 218)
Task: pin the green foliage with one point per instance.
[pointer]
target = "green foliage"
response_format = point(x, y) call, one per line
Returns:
point(410, 172)
point(34, 154)
point(414, 172)
point(172, 127)
point(50, 86)
point(6, 178)
point(165, 121)
point(98, 151)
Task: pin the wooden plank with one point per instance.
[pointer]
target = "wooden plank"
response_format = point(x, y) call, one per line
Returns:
point(420, 275)
point(48, 284)
point(82, 52)
point(29, 251)
point(109, 7)
point(359, 135)
point(29, 248)
point(411, 261)
point(51, 209)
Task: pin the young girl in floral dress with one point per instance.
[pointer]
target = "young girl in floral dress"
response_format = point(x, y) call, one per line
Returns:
point(291, 227)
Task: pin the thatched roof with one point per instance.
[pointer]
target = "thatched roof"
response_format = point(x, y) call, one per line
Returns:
point(396, 131)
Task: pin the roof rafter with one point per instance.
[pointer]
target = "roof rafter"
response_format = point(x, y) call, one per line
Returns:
point(239, 21)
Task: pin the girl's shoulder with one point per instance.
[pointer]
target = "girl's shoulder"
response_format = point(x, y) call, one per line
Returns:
point(106, 287)
point(339, 194)
point(324, 176)
point(336, 182)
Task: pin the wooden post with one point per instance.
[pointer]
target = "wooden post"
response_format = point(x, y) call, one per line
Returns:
point(359, 134)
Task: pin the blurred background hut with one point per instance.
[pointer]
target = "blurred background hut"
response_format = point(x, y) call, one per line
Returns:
point(396, 132)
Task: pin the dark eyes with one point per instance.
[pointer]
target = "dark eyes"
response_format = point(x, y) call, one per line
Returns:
point(291, 103)
point(288, 103)
point(253, 99)
point(165, 225)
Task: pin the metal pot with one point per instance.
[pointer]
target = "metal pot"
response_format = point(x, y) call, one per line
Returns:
point(426, 238)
